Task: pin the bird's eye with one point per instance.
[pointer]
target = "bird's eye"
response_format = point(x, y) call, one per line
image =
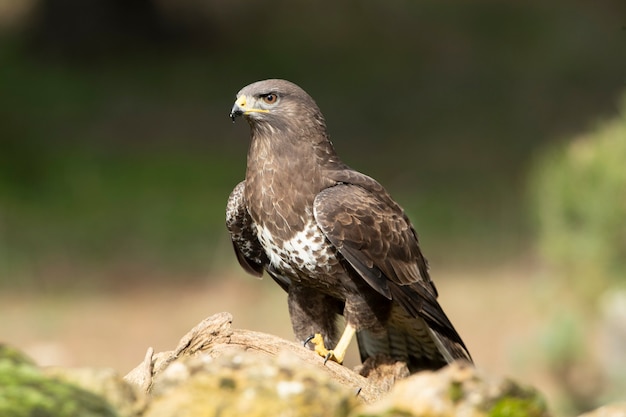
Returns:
point(270, 98)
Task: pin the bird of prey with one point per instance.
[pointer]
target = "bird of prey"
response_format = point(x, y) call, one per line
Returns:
point(332, 238)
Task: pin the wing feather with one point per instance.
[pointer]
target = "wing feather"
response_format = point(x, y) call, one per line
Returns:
point(375, 236)
point(248, 249)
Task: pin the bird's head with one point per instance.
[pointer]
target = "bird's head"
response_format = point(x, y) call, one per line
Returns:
point(277, 105)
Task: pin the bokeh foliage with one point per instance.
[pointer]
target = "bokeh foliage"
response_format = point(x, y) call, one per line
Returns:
point(116, 151)
point(580, 203)
point(579, 200)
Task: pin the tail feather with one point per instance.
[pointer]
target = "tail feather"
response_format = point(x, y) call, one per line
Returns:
point(412, 341)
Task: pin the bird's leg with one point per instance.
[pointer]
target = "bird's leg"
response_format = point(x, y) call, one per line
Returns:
point(337, 354)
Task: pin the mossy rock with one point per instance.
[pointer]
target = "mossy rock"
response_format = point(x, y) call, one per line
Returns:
point(456, 390)
point(26, 392)
point(247, 384)
point(530, 404)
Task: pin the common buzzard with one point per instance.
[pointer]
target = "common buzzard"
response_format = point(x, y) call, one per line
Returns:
point(332, 238)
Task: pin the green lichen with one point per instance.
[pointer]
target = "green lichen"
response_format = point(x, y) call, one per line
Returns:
point(456, 392)
point(518, 401)
point(533, 406)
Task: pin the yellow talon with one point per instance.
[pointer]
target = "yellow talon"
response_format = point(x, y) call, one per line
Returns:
point(320, 349)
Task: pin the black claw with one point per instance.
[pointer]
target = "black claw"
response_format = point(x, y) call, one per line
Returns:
point(308, 339)
point(327, 357)
point(358, 391)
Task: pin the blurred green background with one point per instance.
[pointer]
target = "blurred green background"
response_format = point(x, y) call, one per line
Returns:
point(117, 155)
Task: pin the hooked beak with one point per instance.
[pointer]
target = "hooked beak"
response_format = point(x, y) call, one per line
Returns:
point(244, 106)
point(235, 112)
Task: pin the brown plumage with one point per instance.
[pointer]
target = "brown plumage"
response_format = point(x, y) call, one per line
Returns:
point(331, 237)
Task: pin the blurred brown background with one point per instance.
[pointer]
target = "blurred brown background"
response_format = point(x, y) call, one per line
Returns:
point(117, 156)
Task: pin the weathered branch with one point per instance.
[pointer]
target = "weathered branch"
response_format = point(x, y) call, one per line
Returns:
point(215, 336)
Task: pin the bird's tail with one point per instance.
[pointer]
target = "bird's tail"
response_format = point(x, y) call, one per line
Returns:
point(414, 342)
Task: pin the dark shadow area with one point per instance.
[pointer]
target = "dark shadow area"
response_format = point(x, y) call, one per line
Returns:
point(116, 152)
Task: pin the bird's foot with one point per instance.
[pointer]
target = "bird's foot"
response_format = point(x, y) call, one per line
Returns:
point(320, 348)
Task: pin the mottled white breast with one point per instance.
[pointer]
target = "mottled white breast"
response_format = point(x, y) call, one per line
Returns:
point(305, 252)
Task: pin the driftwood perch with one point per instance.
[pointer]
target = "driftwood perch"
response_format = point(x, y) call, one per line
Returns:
point(214, 336)
point(216, 370)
